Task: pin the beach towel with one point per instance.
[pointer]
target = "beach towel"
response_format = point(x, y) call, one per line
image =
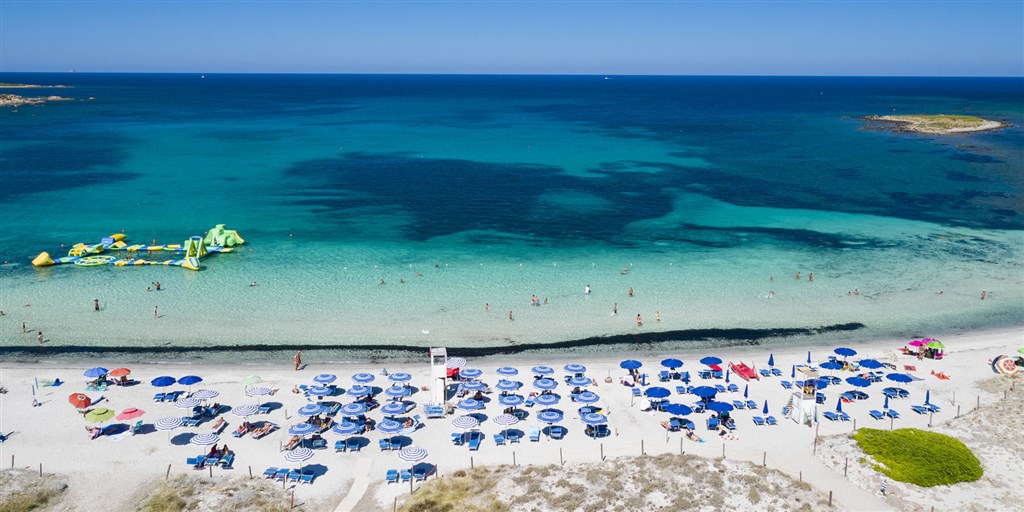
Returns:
point(909, 368)
point(730, 437)
point(117, 437)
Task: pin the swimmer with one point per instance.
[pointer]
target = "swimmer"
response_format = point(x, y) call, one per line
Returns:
point(381, 281)
point(545, 301)
point(487, 306)
point(510, 319)
point(253, 284)
point(639, 321)
point(810, 277)
point(630, 291)
point(983, 294)
point(657, 316)
point(95, 304)
point(23, 327)
point(615, 309)
point(856, 291)
point(586, 290)
point(401, 281)
point(797, 276)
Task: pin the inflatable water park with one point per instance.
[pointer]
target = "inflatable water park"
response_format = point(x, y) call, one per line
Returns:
point(217, 240)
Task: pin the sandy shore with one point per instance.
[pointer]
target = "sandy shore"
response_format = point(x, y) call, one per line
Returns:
point(53, 434)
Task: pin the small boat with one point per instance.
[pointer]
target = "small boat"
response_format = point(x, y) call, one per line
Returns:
point(745, 372)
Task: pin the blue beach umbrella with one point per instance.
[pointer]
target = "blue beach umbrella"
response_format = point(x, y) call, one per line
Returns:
point(927, 396)
point(397, 391)
point(839, 405)
point(726, 376)
point(162, 382)
point(808, 357)
point(550, 416)
point(346, 428)
point(845, 352)
point(353, 409)
point(310, 410)
point(657, 392)
point(542, 370)
point(719, 406)
point(886, 406)
point(471, 373)
point(745, 389)
point(792, 373)
point(593, 418)
point(771, 359)
point(587, 397)
point(831, 365)
point(301, 429)
point(710, 360)
point(389, 426)
point(465, 422)
point(630, 364)
point(399, 377)
point(473, 385)
point(705, 391)
point(677, 409)
point(393, 408)
point(546, 400)
point(469, 404)
point(671, 363)
point(508, 385)
point(95, 373)
point(900, 378)
point(579, 380)
point(574, 368)
point(189, 380)
point(765, 410)
point(325, 378)
point(320, 391)
point(363, 378)
point(870, 364)
point(858, 382)
point(545, 384)
point(359, 391)
point(508, 371)
point(510, 400)
point(245, 410)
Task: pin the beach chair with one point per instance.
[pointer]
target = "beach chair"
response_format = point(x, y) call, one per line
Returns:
point(534, 433)
point(529, 401)
point(876, 415)
point(557, 431)
point(764, 373)
point(786, 384)
point(195, 462)
point(293, 476)
point(396, 443)
point(712, 423)
point(663, 376)
point(499, 440)
point(920, 409)
point(843, 416)
point(353, 445)
point(159, 397)
point(698, 407)
point(636, 392)
point(776, 372)
point(932, 407)
point(751, 404)
point(602, 431)
point(758, 421)
point(340, 446)
point(704, 374)
point(902, 393)
point(405, 475)
point(269, 473)
point(264, 409)
point(474, 441)
point(228, 461)
point(457, 438)
point(892, 414)
point(830, 415)
point(433, 411)
point(798, 383)
point(819, 398)
point(738, 404)
point(685, 377)
point(730, 425)
point(720, 388)
point(680, 390)
point(307, 477)
point(513, 436)
point(674, 425)
point(771, 420)
point(281, 474)
point(421, 473)
point(733, 388)
point(718, 374)
point(319, 443)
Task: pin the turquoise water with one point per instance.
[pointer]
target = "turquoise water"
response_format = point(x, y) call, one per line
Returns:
point(703, 194)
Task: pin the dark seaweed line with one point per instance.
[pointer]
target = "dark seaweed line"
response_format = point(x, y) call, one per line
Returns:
point(736, 336)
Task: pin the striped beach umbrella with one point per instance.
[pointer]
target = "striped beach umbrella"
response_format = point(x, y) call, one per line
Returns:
point(412, 454)
point(546, 400)
point(325, 378)
point(400, 377)
point(187, 403)
point(204, 439)
point(508, 385)
point(507, 371)
point(320, 391)
point(456, 362)
point(579, 380)
point(473, 385)
point(298, 455)
point(301, 429)
point(205, 394)
point(587, 397)
point(258, 391)
point(245, 410)
point(393, 408)
point(390, 426)
point(169, 423)
point(505, 420)
point(359, 391)
point(542, 370)
point(550, 416)
point(346, 428)
point(545, 384)
point(397, 391)
point(469, 404)
point(471, 373)
point(465, 422)
point(594, 418)
point(363, 378)
point(310, 410)
point(353, 409)
point(574, 368)
point(510, 400)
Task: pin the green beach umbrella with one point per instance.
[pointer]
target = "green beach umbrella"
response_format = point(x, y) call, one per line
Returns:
point(1021, 350)
point(99, 415)
point(250, 380)
point(935, 344)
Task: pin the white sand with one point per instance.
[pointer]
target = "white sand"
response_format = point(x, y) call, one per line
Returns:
point(53, 434)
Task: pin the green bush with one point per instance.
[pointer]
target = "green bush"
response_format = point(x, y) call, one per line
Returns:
point(922, 458)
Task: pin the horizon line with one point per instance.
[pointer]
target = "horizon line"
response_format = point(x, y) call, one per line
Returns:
point(668, 75)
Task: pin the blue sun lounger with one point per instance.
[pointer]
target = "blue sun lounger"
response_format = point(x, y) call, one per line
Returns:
point(306, 477)
point(733, 388)
point(474, 441)
point(269, 473)
point(499, 440)
point(392, 476)
point(759, 421)
point(876, 414)
point(340, 446)
point(776, 372)
point(534, 433)
point(786, 384)
point(680, 390)
point(405, 475)
point(764, 373)
point(830, 415)
point(513, 436)
point(771, 420)
point(892, 414)
point(920, 409)
point(738, 404)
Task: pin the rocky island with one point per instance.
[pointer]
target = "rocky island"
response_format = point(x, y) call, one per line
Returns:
point(13, 100)
point(941, 124)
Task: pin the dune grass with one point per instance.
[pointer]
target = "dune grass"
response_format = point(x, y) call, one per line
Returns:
point(919, 457)
point(34, 499)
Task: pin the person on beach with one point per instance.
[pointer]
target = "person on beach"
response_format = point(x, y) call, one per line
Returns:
point(298, 360)
point(983, 294)
point(95, 304)
point(24, 328)
point(797, 276)
point(40, 338)
point(586, 290)
point(381, 281)
point(510, 316)
point(630, 291)
point(487, 306)
point(155, 314)
point(639, 321)
point(615, 309)
point(657, 316)
point(810, 277)
point(771, 279)
point(253, 284)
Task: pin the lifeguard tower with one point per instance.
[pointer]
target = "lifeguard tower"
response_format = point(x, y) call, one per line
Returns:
point(802, 407)
point(438, 374)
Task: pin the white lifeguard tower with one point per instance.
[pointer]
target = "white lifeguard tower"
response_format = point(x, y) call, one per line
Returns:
point(802, 407)
point(438, 374)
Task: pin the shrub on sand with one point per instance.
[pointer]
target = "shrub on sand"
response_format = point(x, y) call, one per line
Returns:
point(922, 458)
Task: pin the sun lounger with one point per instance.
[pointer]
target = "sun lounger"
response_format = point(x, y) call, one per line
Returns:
point(195, 462)
point(751, 404)
point(663, 376)
point(499, 440)
point(892, 414)
point(353, 445)
point(557, 431)
point(307, 477)
point(920, 409)
point(759, 421)
point(269, 473)
point(733, 388)
point(384, 444)
point(819, 398)
point(457, 438)
point(159, 397)
point(889, 392)
point(731, 425)
point(319, 443)
point(776, 372)
point(830, 415)
point(771, 420)
point(764, 373)
point(421, 473)
point(340, 446)
point(698, 407)
point(680, 390)
point(798, 383)
point(876, 415)
point(843, 416)
point(738, 404)
point(720, 388)
point(396, 443)
point(190, 422)
point(786, 384)
point(474, 441)
point(240, 431)
point(228, 461)
point(636, 392)
point(281, 474)
point(712, 423)
point(704, 374)
point(405, 475)
point(534, 433)
point(219, 426)
point(932, 407)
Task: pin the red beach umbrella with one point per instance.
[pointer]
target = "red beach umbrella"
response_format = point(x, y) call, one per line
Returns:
point(130, 414)
point(80, 400)
point(120, 372)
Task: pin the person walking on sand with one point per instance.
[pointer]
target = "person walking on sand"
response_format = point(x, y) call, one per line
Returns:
point(24, 328)
point(487, 306)
point(298, 360)
point(155, 313)
point(95, 304)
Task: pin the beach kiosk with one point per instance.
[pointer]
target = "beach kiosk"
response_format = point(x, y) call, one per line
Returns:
point(438, 374)
point(802, 407)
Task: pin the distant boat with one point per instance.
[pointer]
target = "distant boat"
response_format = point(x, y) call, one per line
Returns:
point(202, 76)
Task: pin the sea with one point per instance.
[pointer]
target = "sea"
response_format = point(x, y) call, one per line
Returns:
point(384, 214)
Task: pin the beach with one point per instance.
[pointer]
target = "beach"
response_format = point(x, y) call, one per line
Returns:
point(54, 436)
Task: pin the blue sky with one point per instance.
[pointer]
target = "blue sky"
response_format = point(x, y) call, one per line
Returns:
point(944, 38)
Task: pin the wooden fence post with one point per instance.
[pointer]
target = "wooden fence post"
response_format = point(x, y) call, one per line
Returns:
point(168, 475)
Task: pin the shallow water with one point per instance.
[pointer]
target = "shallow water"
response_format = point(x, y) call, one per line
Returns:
point(479, 190)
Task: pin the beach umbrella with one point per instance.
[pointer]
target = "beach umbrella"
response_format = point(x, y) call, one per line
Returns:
point(860, 382)
point(546, 400)
point(131, 413)
point(1004, 365)
point(95, 373)
point(505, 420)
point(545, 384)
point(508, 385)
point(845, 352)
point(189, 380)
point(771, 359)
point(831, 365)
point(346, 428)
point(353, 409)
point(727, 376)
point(935, 344)
point(473, 385)
point(899, 377)
point(187, 403)
point(705, 391)
point(792, 373)
point(765, 409)
point(719, 406)
point(298, 455)
point(508, 371)
point(301, 429)
point(542, 370)
point(359, 390)
point(325, 378)
point(839, 404)
point(587, 397)
point(550, 416)
point(400, 377)
point(710, 360)
point(510, 400)
point(927, 396)
point(471, 373)
point(574, 368)
point(886, 406)
point(258, 391)
point(465, 422)
point(80, 400)
point(657, 392)
point(456, 362)
point(320, 391)
point(204, 439)
point(245, 410)
point(916, 343)
point(671, 363)
point(870, 364)
point(808, 357)
point(99, 415)
point(363, 378)
point(120, 372)
point(250, 380)
point(169, 423)
point(205, 394)
point(677, 409)
point(412, 454)
point(162, 382)
point(745, 390)
point(579, 380)
point(397, 391)
point(469, 404)
point(390, 427)
point(593, 418)
point(630, 364)
point(310, 410)
point(393, 408)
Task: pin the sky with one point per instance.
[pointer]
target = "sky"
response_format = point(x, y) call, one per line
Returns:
point(726, 37)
